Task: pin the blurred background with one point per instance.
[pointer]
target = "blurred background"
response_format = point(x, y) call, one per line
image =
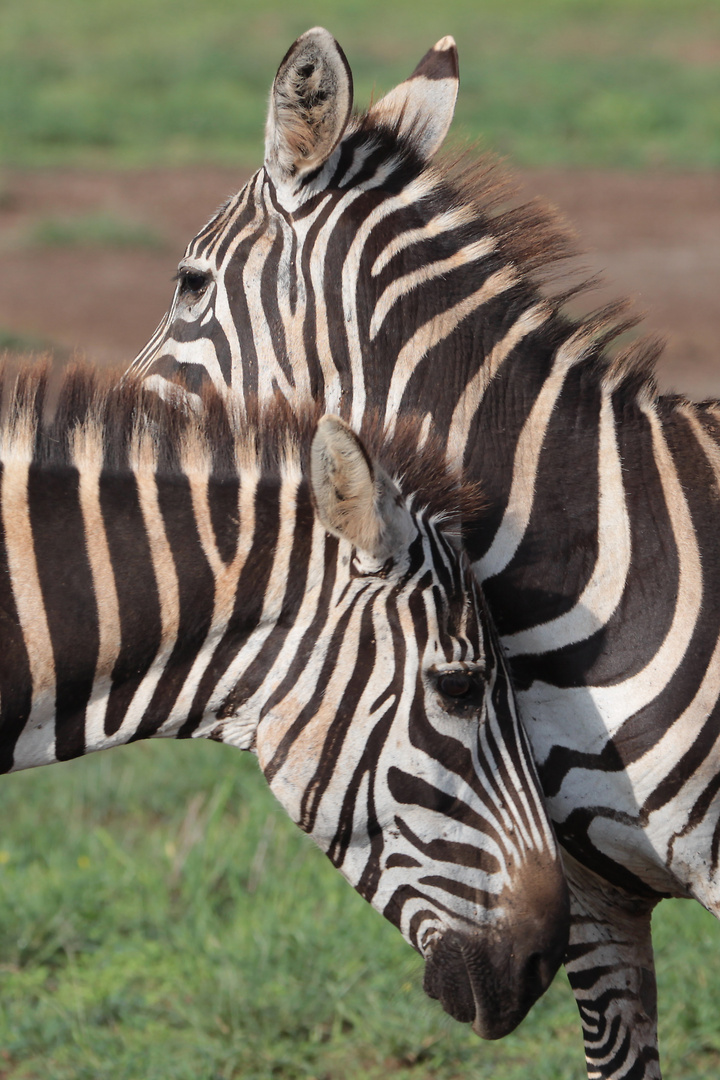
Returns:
point(124, 123)
point(160, 918)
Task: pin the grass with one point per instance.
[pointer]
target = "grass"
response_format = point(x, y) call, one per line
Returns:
point(94, 231)
point(162, 919)
point(23, 343)
point(631, 83)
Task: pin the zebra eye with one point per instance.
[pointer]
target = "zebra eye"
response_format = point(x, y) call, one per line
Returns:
point(192, 282)
point(460, 689)
point(455, 684)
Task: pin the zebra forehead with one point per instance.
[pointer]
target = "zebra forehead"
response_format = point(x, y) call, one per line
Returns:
point(89, 411)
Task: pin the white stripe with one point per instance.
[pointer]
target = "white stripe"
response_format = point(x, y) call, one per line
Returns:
point(87, 456)
point(166, 579)
point(226, 576)
point(585, 717)
point(210, 244)
point(201, 352)
point(471, 398)
point(36, 744)
point(441, 223)
point(349, 283)
point(603, 592)
point(405, 284)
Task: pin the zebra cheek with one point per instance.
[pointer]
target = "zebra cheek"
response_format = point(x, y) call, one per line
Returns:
point(291, 750)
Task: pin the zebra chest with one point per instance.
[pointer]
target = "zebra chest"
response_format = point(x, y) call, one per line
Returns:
point(614, 791)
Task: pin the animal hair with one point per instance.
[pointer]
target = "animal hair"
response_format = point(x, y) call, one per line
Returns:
point(531, 235)
point(225, 432)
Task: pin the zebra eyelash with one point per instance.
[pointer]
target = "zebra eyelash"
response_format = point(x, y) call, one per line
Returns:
point(462, 689)
point(192, 280)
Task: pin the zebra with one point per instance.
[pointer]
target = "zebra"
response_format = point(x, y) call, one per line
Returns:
point(262, 580)
point(358, 269)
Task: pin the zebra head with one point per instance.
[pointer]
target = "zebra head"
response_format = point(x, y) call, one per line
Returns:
point(259, 579)
point(404, 758)
point(298, 284)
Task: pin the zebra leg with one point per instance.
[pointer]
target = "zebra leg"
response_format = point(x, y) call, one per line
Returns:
point(612, 973)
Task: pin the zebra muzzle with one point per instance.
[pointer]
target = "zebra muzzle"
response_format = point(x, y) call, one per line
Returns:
point(489, 983)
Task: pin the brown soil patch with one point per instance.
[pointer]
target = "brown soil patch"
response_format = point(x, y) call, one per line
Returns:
point(654, 237)
point(657, 240)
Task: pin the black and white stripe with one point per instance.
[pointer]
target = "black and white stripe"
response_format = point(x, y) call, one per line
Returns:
point(381, 280)
point(262, 581)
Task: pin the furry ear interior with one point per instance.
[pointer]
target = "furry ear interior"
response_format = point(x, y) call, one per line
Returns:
point(355, 499)
point(310, 105)
point(422, 107)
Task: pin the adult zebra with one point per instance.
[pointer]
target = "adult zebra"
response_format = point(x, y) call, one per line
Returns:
point(355, 269)
point(166, 576)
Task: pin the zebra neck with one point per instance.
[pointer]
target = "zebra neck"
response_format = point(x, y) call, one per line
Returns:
point(590, 530)
point(133, 604)
point(593, 567)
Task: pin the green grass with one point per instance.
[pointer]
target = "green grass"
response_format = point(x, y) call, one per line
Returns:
point(93, 231)
point(162, 919)
point(631, 83)
point(23, 343)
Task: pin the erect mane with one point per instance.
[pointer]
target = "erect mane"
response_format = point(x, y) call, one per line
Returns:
point(41, 415)
point(530, 235)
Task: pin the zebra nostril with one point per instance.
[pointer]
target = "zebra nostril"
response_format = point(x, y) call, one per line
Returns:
point(447, 979)
point(539, 972)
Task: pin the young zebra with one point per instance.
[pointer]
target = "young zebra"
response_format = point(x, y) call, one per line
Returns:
point(263, 582)
point(355, 269)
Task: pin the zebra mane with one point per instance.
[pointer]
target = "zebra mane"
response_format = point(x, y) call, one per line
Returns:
point(41, 415)
point(531, 235)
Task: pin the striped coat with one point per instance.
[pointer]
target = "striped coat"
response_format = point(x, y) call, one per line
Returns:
point(357, 268)
point(263, 581)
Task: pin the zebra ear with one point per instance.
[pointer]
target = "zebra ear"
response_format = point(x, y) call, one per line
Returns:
point(356, 500)
point(421, 108)
point(310, 105)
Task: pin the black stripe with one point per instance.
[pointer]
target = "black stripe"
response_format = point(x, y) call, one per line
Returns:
point(249, 599)
point(480, 897)
point(256, 672)
point(284, 748)
point(309, 639)
point(269, 284)
point(413, 790)
point(193, 376)
point(238, 302)
point(451, 851)
point(394, 908)
point(494, 432)
point(68, 596)
point(254, 210)
point(223, 495)
point(137, 593)
point(370, 877)
point(399, 861)
point(196, 596)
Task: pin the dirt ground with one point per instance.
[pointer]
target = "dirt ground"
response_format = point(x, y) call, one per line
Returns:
point(655, 237)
